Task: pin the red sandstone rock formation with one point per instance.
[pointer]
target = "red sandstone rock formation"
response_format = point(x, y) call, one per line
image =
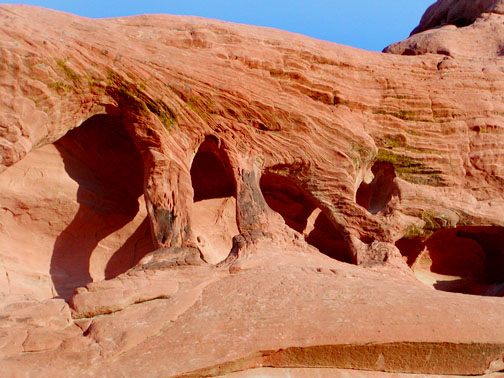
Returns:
point(185, 197)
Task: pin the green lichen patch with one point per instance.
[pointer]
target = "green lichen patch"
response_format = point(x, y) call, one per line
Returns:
point(405, 115)
point(58, 85)
point(419, 150)
point(361, 155)
point(410, 169)
point(433, 223)
point(94, 83)
point(415, 232)
point(70, 78)
point(69, 73)
point(392, 141)
point(399, 141)
point(298, 171)
point(136, 99)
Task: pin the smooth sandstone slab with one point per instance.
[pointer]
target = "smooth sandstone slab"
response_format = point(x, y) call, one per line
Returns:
point(295, 309)
point(329, 373)
point(302, 312)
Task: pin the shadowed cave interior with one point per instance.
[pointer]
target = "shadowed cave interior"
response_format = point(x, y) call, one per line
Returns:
point(300, 212)
point(467, 260)
point(213, 218)
point(73, 212)
point(110, 232)
point(211, 172)
point(375, 196)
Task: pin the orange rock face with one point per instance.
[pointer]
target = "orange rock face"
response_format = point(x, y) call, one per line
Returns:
point(183, 197)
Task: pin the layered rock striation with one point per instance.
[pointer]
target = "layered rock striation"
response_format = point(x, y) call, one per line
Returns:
point(187, 197)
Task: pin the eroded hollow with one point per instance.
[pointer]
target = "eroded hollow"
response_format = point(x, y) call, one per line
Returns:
point(214, 206)
point(467, 260)
point(73, 212)
point(375, 196)
point(301, 213)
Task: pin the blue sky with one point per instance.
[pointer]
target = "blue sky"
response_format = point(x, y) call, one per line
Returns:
point(368, 24)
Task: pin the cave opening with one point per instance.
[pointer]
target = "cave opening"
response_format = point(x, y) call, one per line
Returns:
point(301, 213)
point(468, 260)
point(81, 211)
point(213, 216)
point(211, 173)
point(375, 196)
point(110, 232)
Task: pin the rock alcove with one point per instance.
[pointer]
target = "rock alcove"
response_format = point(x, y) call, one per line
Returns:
point(214, 204)
point(467, 260)
point(301, 213)
point(375, 196)
point(81, 213)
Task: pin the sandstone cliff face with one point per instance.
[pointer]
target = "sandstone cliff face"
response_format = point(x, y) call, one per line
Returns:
point(186, 197)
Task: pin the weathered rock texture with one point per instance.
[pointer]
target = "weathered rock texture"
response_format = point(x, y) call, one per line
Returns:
point(186, 197)
point(468, 29)
point(455, 12)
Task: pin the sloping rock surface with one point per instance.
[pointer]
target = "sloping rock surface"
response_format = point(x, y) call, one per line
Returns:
point(182, 197)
